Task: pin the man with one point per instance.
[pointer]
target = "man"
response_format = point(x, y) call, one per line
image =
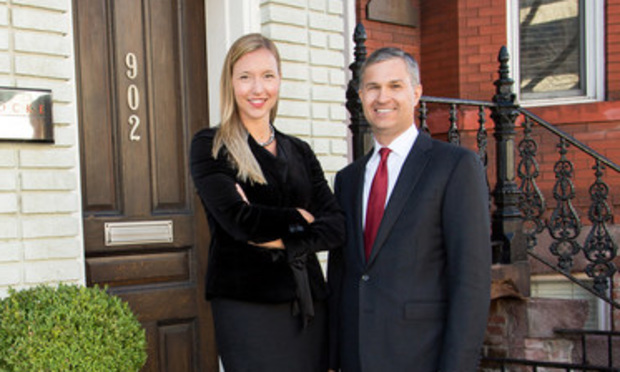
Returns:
point(416, 298)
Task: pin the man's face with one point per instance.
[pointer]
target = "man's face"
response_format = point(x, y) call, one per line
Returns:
point(389, 98)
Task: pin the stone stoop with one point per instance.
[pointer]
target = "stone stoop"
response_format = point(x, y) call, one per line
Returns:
point(522, 327)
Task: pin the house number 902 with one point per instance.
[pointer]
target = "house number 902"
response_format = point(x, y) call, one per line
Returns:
point(133, 96)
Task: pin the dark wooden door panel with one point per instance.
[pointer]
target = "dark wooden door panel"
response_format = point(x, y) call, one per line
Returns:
point(182, 226)
point(130, 59)
point(175, 343)
point(167, 88)
point(99, 174)
point(140, 268)
point(142, 88)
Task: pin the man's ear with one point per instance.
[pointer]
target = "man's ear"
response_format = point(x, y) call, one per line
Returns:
point(417, 93)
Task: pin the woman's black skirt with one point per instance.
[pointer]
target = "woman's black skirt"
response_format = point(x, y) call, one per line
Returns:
point(254, 337)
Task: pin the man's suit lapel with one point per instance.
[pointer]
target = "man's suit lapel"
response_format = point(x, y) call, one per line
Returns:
point(409, 176)
point(358, 185)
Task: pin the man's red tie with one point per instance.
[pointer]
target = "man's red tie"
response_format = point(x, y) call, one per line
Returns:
point(376, 202)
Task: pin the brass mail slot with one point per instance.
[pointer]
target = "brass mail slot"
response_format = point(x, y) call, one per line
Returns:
point(141, 232)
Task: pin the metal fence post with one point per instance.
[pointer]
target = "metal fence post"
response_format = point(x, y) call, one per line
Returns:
point(359, 127)
point(507, 234)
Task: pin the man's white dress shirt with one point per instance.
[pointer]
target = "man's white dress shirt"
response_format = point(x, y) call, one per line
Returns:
point(400, 148)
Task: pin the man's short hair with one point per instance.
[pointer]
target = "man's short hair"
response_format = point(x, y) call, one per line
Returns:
point(388, 53)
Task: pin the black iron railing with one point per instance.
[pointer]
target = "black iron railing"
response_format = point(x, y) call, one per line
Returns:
point(523, 206)
point(505, 364)
point(563, 224)
point(587, 337)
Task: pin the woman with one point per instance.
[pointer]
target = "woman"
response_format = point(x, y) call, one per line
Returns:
point(269, 210)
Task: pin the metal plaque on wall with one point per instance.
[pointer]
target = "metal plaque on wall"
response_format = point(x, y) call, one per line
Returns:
point(26, 115)
point(400, 12)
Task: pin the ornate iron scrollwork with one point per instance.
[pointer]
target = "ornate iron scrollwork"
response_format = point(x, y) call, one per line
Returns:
point(481, 137)
point(564, 224)
point(599, 247)
point(531, 200)
point(422, 116)
point(453, 133)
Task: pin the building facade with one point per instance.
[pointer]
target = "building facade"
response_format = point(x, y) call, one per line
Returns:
point(562, 56)
point(131, 81)
point(41, 190)
point(110, 201)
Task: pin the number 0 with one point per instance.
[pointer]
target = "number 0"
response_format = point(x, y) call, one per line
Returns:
point(133, 97)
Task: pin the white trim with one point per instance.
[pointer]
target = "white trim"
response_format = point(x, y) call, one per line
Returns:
point(597, 22)
point(604, 319)
point(512, 30)
point(76, 135)
point(349, 29)
point(226, 21)
point(595, 54)
point(350, 22)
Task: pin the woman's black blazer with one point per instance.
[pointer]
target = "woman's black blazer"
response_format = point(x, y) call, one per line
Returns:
point(243, 271)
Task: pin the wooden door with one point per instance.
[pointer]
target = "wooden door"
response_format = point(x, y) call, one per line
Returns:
point(141, 68)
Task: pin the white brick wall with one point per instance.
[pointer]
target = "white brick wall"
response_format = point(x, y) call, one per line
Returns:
point(310, 38)
point(40, 211)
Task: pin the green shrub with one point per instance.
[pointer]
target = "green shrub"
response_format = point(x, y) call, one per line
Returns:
point(69, 328)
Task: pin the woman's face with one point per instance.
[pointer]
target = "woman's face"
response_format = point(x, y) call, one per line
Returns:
point(256, 84)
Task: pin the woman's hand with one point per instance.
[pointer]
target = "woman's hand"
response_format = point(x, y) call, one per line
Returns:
point(274, 244)
point(279, 244)
point(241, 193)
point(306, 215)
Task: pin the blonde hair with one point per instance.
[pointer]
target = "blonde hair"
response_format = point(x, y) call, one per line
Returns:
point(232, 134)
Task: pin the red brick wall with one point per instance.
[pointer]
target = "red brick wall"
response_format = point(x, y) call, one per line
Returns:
point(482, 32)
point(439, 53)
point(382, 34)
point(460, 44)
point(456, 43)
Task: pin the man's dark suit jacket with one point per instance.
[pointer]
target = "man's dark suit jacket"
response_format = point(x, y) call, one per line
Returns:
point(420, 303)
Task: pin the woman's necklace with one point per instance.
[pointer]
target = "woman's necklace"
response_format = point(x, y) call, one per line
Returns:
point(272, 136)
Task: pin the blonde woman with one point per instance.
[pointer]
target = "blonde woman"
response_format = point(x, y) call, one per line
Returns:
point(269, 210)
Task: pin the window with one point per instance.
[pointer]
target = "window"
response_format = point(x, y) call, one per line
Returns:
point(557, 50)
point(557, 286)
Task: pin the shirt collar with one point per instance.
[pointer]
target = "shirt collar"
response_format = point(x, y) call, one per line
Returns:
point(402, 144)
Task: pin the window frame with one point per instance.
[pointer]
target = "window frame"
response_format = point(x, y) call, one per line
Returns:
point(594, 71)
point(540, 289)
